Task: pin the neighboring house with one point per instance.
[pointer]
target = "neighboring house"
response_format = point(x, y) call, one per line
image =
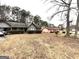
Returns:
point(33, 28)
point(49, 29)
point(53, 30)
point(45, 30)
point(51, 26)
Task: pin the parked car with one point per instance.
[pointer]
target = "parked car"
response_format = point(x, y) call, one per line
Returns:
point(2, 33)
point(5, 33)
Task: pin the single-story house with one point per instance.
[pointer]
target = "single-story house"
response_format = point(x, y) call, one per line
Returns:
point(17, 27)
point(12, 27)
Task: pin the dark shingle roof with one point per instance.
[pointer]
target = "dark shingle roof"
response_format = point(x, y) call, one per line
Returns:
point(38, 27)
point(4, 25)
point(16, 24)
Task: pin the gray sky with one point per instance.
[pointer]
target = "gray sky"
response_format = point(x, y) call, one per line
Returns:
point(36, 7)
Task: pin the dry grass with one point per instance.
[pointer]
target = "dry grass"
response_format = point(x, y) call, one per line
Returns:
point(39, 46)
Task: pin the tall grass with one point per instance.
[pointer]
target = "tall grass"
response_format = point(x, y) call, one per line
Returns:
point(39, 46)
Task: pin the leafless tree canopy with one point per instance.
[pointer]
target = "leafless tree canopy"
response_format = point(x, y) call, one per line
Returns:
point(64, 8)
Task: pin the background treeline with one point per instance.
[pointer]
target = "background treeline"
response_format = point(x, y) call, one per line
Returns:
point(8, 13)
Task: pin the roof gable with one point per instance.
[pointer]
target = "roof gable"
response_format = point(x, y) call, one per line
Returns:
point(35, 25)
point(32, 27)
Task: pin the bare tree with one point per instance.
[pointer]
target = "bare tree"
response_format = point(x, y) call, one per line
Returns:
point(68, 22)
point(24, 14)
point(77, 22)
point(64, 7)
point(4, 12)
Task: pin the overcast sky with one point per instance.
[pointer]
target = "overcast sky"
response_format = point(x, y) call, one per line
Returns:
point(36, 7)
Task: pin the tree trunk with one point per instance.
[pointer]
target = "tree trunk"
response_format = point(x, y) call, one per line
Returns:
point(77, 22)
point(68, 23)
point(76, 27)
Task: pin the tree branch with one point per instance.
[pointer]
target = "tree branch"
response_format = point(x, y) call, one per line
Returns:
point(57, 13)
point(60, 5)
point(64, 2)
